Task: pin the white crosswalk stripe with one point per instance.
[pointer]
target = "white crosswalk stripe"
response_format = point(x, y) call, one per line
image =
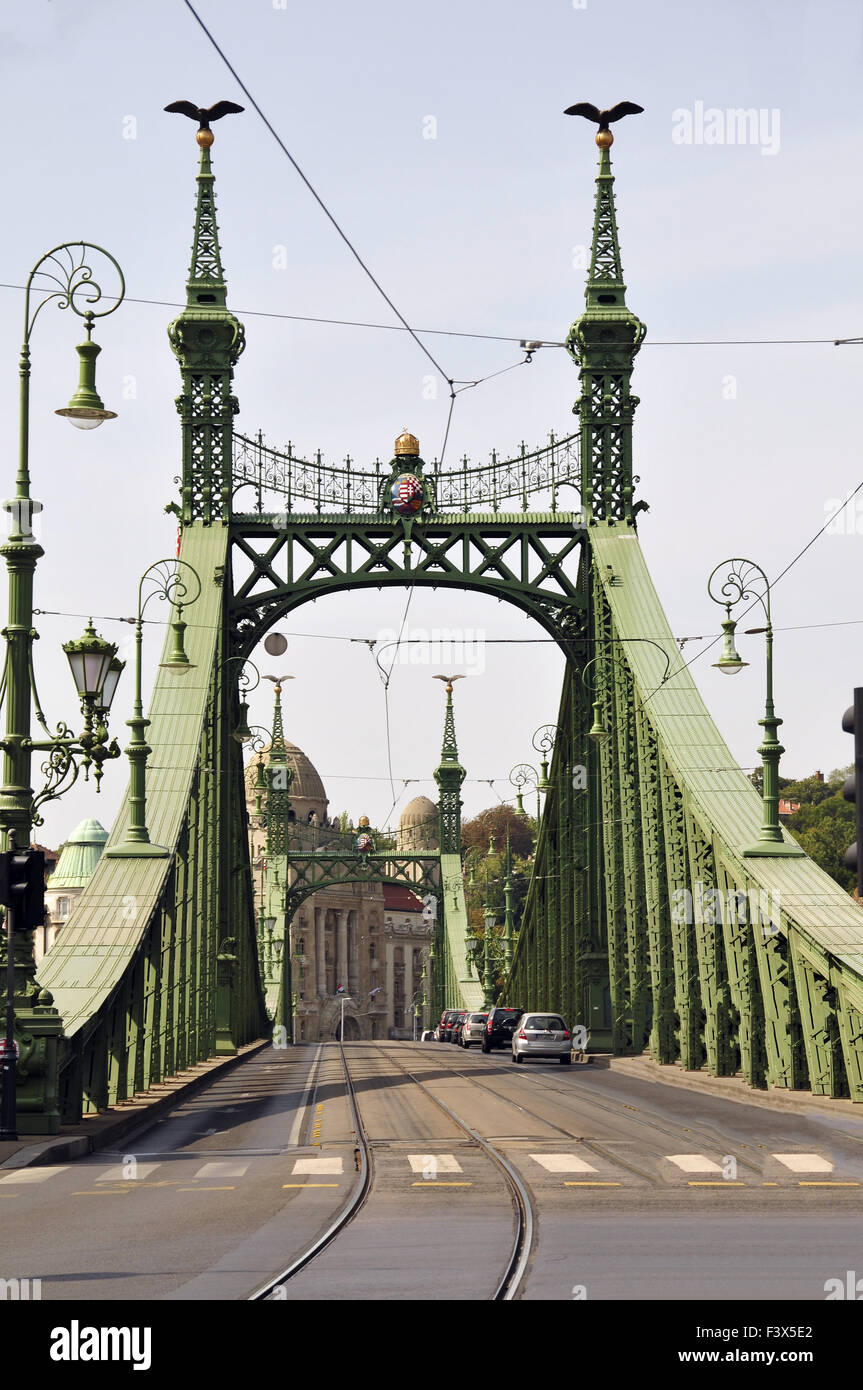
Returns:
point(222, 1169)
point(563, 1163)
point(434, 1163)
point(31, 1175)
point(694, 1163)
point(804, 1163)
point(318, 1165)
point(123, 1172)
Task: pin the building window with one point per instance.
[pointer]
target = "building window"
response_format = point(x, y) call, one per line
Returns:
point(398, 956)
point(399, 1019)
point(62, 907)
point(372, 951)
point(301, 947)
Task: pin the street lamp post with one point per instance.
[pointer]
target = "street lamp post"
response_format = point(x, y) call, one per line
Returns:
point(275, 789)
point(166, 582)
point(488, 918)
point(598, 732)
point(732, 583)
point(64, 275)
point(524, 775)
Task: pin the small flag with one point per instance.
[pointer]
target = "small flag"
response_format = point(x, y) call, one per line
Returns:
point(340, 989)
point(373, 992)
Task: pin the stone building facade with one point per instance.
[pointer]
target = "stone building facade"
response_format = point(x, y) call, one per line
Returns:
point(371, 938)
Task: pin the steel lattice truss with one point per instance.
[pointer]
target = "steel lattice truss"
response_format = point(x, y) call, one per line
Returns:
point(280, 562)
point(312, 872)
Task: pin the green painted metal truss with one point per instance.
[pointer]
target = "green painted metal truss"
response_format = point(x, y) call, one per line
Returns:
point(312, 872)
point(279, 563)
point(643, 920)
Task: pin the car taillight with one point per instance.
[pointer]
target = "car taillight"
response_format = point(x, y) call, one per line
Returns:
point(566, 1032)
point(488, 1026)
point(522, 1033)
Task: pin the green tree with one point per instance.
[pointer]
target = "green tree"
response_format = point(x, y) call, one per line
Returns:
point(494, 824)
point(824, 825)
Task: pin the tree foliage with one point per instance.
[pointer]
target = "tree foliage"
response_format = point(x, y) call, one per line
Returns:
point(494, 823)
point(824, 825)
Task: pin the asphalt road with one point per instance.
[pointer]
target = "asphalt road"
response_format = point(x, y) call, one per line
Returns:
point(639, 1189)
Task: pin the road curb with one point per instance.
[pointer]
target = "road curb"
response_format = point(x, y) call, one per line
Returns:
point(116, 1127)
point(732, 1088)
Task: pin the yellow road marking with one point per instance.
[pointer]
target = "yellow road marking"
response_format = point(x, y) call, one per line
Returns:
point(828, 1184)
point(770, 1184)
point(591, 1184)
point(726, 1182)
point(311, 1184)
point(102, 1192)
point(433, 1183)
point(206, 1189)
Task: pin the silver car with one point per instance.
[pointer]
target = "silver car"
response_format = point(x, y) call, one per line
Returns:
point(542, 1035)
point(473, 1030)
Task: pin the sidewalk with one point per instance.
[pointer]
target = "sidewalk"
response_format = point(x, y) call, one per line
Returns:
point(728, 1087)
point(110, 1126)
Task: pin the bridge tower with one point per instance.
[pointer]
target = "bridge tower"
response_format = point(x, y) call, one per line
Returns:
point(603, 341)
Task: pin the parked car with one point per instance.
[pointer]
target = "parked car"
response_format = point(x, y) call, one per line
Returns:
point(499, 1028)
point(457, 1024)
point(473, 1029)
point(446, 1022)
point(542, 1035)
point(428, 1035)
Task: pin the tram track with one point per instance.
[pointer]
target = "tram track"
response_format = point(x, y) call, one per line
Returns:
point(697, 1135)
point(524, 1225)
point(356, 1199)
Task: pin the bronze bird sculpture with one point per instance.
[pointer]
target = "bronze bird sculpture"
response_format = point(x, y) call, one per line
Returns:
point(603, 119)
point(204, 114)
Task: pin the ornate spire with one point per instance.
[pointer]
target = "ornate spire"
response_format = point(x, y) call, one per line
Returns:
point(278, 752)
point(206, 283)
point(604, 342)
point(279, 778)
point(207, 340)
point(449, 776)
point(606, 271)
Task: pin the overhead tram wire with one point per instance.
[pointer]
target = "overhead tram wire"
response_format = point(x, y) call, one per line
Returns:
point(486, 337)
point(704, 650)
point(317, 197)
point(429, 641)
point(465, 385)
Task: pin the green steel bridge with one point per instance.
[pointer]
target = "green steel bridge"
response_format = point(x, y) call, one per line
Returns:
point(645, 920)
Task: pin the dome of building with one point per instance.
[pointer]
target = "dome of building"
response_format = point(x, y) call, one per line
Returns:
point(79, 856)
point(418, 811)
point(306, 782)
point(418, 826)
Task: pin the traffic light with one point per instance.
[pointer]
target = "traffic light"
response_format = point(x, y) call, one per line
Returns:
point(852, 723)
point(22, 886)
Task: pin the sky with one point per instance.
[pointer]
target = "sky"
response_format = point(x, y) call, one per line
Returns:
point(435, 136)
